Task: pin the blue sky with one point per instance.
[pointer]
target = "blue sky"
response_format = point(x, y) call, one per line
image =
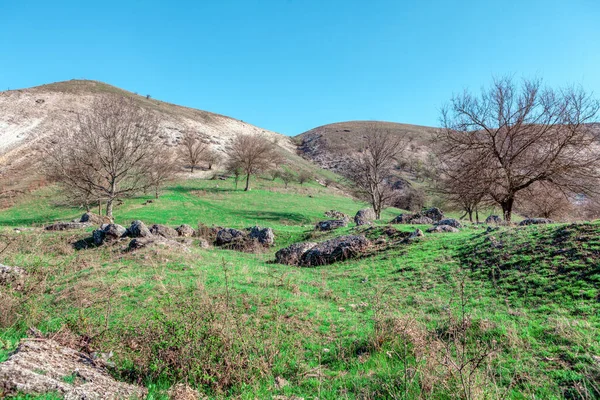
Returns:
point(291, 65)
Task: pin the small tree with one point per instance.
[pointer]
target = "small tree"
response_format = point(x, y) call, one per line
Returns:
point(105, 156)
point(304, 176)
point(286, 176)
point(212, 158)
point(192, 150)
point(542, 199)
point(371, 169)
point(252, 154)
point(161, 170)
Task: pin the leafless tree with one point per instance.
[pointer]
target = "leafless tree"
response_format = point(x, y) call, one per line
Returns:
point(212, 158)
point(161, 170)
point(192, 150)
point(286, 176)
point(543, 199)
point(252, 154)
point(304, 176)
point(105, 156)
point(371, 170)
point(518, 134)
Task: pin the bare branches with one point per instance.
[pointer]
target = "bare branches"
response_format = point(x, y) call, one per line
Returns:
point(193, 150)
point(251, 154)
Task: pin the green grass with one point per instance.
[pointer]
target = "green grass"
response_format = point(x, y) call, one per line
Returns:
point(365, 328)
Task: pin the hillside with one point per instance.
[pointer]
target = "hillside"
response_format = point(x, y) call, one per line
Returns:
point(331, 145)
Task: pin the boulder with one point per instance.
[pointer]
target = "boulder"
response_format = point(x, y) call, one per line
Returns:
point(203, 243)
point(163, 230)
point(434, 213)
point(421, 221)
point(449, 222)
point(185, 230)
point(12, 276)
point(138, 229)
point(264, 236)
point(535, 221)
point(64, 226)
point(416, 234)
point(334, 214)
point(364, 216)
point(493, 220)
point(152, 241)
point(404, 218)
point(442, 229)
point(330, 224)
point(292, 254)
point(336, 249)
point(108, 233)
point(42, 366)
point(94, 219)
point(227, 236)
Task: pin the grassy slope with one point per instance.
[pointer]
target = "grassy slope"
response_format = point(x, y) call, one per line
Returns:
point(350, 330)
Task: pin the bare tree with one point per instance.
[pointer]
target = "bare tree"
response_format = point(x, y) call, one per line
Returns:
point(161, 170)
point(286, 176)
point(516, 135)
point(212, 158)
point(371, 170)
point(304, 176)
point(105, 156)
point(543, 199)
point(192, 150)
point(252, 154)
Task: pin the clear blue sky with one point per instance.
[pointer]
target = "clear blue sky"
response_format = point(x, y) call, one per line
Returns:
point(291, 65)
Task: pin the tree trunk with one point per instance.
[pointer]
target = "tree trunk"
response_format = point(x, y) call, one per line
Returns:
point(477, 215)
point(507, 206)
point(109, 208)
point(99, 208)
point(247, 183)
point(156, 194)
point(470, 212)
point(192, 169)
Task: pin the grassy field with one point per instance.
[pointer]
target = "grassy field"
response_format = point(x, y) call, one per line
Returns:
point(483, 313)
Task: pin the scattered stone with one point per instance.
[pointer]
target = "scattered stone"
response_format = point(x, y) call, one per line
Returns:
point(94, 219)
point(185, 230)
point(138, 229)
point(416, 234)
point(264, 236)
point(336, 249)
point(108, 233)
point(12, 276)
point(493, 220)
point(42, 366)
point(404, 218)
point(182, 391)
point(449, 222)
point(331, 224)
point(334, 214)
point(163, 230)
point(442, 229)
point(292, 254)
point(152, 241)
point(65, 226)
point(228, 235)
point(203, 243)
point(421, 221)
point(364, 216)
point(380, 241)
point(434, 213)
point(535, 221)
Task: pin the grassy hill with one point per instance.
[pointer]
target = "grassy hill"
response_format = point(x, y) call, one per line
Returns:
point(484, 313)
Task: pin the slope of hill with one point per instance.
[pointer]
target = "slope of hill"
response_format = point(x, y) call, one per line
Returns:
point(331, 145)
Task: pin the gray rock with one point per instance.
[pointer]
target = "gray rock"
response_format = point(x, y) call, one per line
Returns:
point(163, 230)
point(39, 366)
point(203, 243)
point(229, 235)
point(152, 241)
point(449, 222)
point(331, 224)
point(334, 214)
point(434, 213)
point(138, 229)
point(292, 254)
point(416, 234)
point(94, 219)
point(108, 233)
point(65, 226)
point(185, 230)
point(336, 249)
point(421, 221)
point(12, 276)
point(535, 221)
point(364, 216)
point(264, 236)
point(493, 219)
point(442, 229)
point(404, 218)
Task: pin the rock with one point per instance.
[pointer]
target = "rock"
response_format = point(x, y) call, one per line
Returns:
point(334, 214)
point(442, 229)
point(264, 236)
point(493, 219)
point(152, 241)
point(138, 229)
point(163, 230)
point(535, 221)
point(229, 235)
point(94, 219)
point(182, 391)
point(336, 249)
point(449, 222)
point(64, 226)
point(331, 224)
point(203, 243)
point(108, 233)
point(404, 218)
point(421, 221)
point(12, 276)
point(364, 216)
point(434, 213)
point(185, 230)
point(416, 234)
point(42, 366)
point(292, 254)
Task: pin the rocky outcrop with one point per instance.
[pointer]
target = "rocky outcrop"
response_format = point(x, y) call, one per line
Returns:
point(442, 229)
point(292, 254)
point(434, 213)
point(185, 230)
point(94, 219)
point(535, 221)
point(449, 222)
point(334, 250)
point(493, 220)
point(65, 226)
point(264, 236)
point(13, 277)
point(334, 214)
point(423, 220)
point(364, 216)
point(138, 230)
point(42, 366)
point(108, 233)
point(416, 234)
point(228, 236)
point(163, 230)
point(331, 224)
point(152, 241)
